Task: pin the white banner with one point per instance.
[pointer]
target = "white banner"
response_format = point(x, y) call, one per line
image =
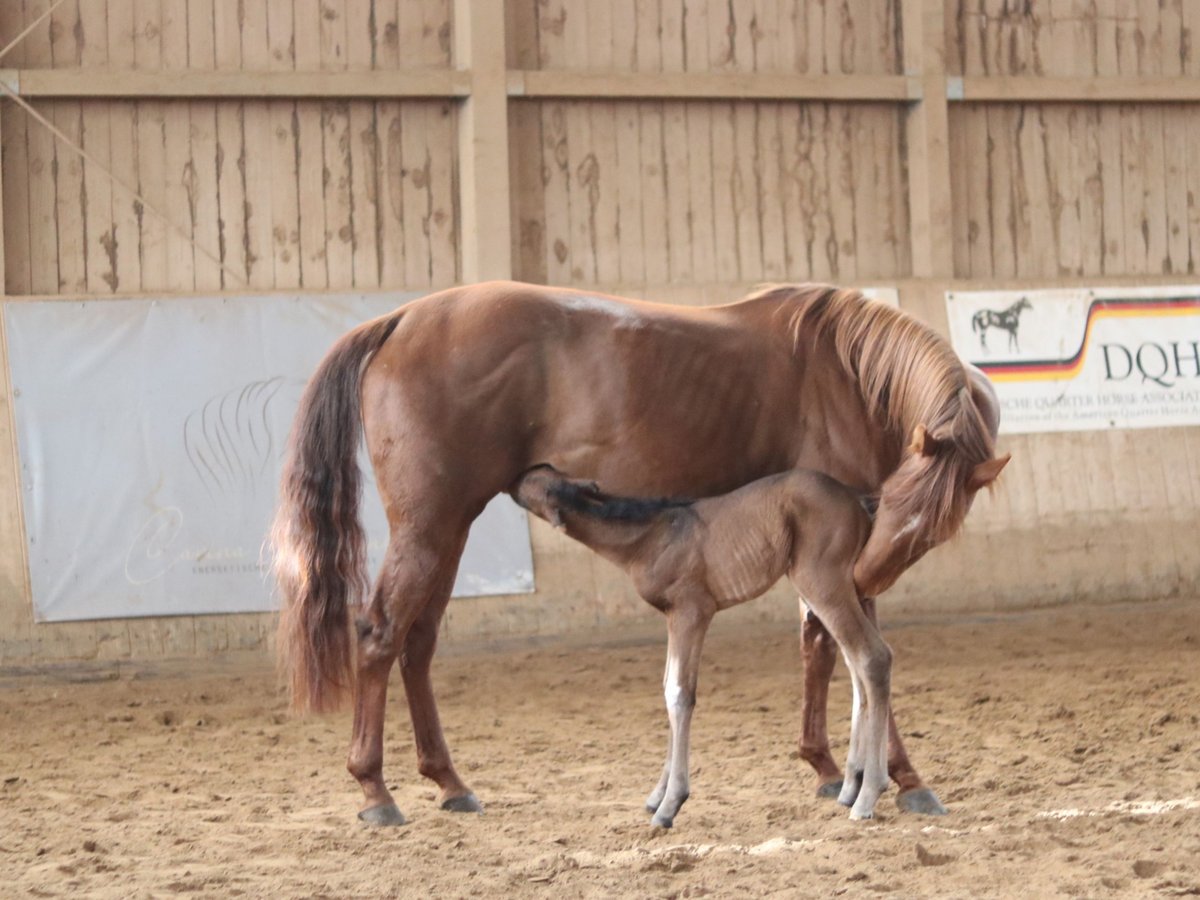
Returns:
point(1081, 360)
point(150, 436)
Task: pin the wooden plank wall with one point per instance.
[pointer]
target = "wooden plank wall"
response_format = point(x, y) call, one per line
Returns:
point(665, 157)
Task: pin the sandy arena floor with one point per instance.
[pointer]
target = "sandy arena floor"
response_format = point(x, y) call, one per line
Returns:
point(1065, 743)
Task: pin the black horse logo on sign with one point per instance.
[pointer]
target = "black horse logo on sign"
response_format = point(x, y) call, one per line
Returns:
point(1006, 319)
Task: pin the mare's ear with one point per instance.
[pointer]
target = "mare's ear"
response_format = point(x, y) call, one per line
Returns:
point(923, 443)
point(986, 472)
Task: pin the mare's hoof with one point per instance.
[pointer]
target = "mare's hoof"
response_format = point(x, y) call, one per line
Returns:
point(829, 790)
point(656, 822)
point(922, 801)
point(383, 814)
point(467, 803)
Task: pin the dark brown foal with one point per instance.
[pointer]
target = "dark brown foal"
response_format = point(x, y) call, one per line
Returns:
point(693, 559)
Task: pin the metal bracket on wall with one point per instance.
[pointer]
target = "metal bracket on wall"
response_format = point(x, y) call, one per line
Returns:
point(11, 78)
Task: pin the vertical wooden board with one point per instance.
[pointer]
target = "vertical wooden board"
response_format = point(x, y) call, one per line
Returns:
point(1114, 237)
point(1191, 189)
point(229, 20)
point(310, 165)
point(770, 196)
point(152, 184)
point(793, 160)
point(584, 193)
point(436, 37)
point(147, 35)
point(788, 39)
point(256, 165)
point(126, 232)
point(824, 248)
point(1106, 38)
point(391, 195)
point(1064, 185)
point(721, 32)
point(556, 180)
point(576, 40)
point(607, 190)
point(444, 266)
point(725, 219)
point(600, 36)
point(126, 210)
point(360, 38)
point(1002, 124)
point(961, 231)
point(13, 17)
point(551, 32)
point(1137, 218)
point(332, 37)
point(1189, 50)
point(202, 47)
point(747, 200)
point(526, 165)
point(520, 34)
point(1036, 240)
point(672, 43)
point(255, 38)
point(232, 237)
point(364, 192)
point(697, 54)
point(205, 200)
point(1085, 156)
point(120, 34)
point(281, 29)
point(1175, 156)
point(696, 159)
point(767, 41)
point(14, 164)
point(42, 234)
point(895, 196)
point(417, 201)
point(653, 195)
point(92, 33)
point(339, 229)
point(68, 199)
point(1154, 185)
point(630, 187)
point(680, 187)
point(285, 204)
point(625, 34)
point(1129, 37)
point(842, 184)
point(98, 188)
point(385, 41)
point(813, 14)
point(1150, 37)
point(648, 33)
point(990, 22)
point(745, 39)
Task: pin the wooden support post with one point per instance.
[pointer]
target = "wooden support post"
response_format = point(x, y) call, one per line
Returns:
point(928, 133)
point(485, 244)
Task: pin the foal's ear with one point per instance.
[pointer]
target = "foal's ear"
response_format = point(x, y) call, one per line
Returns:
point(923, 443)
point(986, 472)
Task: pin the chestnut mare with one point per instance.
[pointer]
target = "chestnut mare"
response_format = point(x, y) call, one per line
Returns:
point(461, 392)
point(691, 559)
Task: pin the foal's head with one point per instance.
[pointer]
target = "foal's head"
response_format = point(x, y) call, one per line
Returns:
point(924, 502)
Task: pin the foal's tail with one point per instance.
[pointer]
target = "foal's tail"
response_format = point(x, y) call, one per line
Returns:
point(319, 546)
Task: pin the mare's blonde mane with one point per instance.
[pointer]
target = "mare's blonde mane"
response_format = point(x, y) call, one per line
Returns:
point(908, 375)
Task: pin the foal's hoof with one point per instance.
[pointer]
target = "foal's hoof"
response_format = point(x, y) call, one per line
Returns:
point(467, 803)
point(922, 801)
point(383, 814)
point(829, 790)
point(660, 822)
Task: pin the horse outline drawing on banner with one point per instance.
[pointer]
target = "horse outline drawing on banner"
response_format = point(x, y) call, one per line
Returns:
point(1008, 319)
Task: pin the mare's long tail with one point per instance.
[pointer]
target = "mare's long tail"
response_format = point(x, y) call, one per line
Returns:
point(318, 543)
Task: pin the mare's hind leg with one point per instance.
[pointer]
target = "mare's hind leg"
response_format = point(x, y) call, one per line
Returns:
point(412, 574)
point(914, 795)
point(433, 756)
point(819, 654)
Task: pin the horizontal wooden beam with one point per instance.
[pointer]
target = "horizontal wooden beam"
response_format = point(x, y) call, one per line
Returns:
point(110, 83)
point(711, 86)
point(1037, 89)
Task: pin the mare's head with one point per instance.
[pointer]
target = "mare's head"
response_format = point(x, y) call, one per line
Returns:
point(925, 500)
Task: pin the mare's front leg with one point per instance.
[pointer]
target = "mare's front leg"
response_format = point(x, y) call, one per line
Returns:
point(914, 795)
point(819, 654)
point(686, 627)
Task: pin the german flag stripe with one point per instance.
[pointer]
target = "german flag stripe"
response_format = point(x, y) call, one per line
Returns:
point(1064, 369)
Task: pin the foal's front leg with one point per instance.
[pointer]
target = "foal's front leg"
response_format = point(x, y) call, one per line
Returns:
point(686, 627)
